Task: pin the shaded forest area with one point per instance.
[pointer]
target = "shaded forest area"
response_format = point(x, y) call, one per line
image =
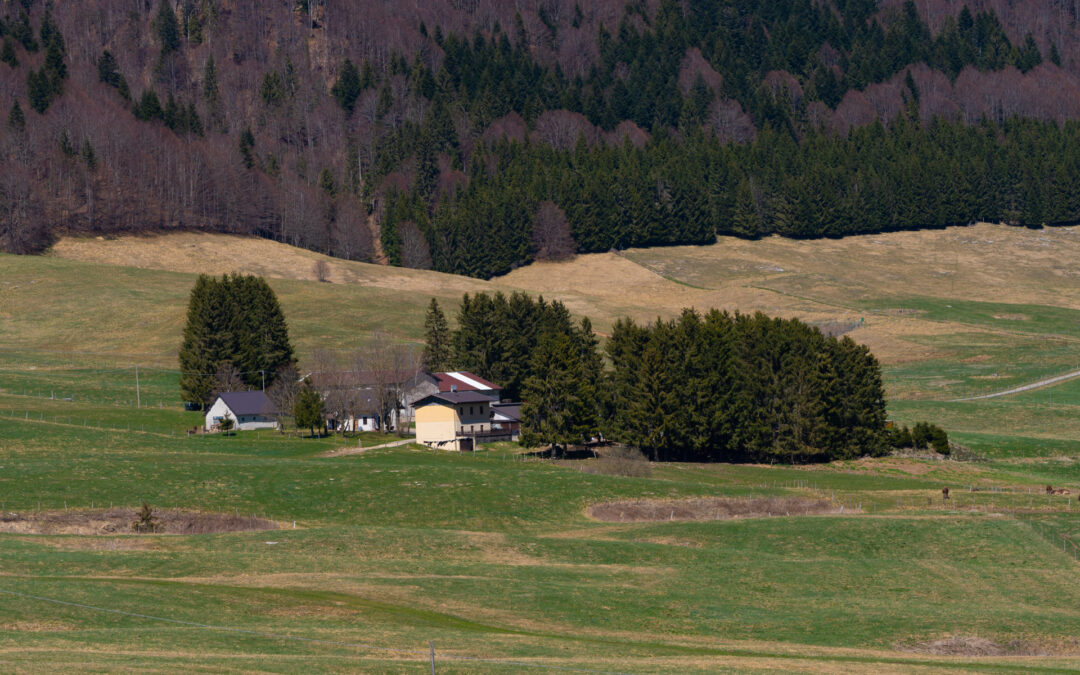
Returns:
point(473, 137)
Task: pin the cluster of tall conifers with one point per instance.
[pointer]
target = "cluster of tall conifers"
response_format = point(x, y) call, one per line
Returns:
point(688, 190)
point(712, 387)
point(235, 329)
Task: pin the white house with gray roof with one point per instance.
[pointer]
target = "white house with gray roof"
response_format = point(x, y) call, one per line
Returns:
point(247, 410)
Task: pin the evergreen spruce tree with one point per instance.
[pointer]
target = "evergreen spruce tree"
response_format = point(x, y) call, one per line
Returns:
point(171, 115)
point(238, 320)
point(108, 69)
point(197, 364)
point(193, 29)
point(7, 54)
point(559, 405)
point(167, 28)
point(438, 349)
point(148, 107)
point(347, 88)
point(308, 411)
point(210, 83)
point(247, 143)
point(55, 69)
point(38, 90)
point(192, 121)
point(1055, 56)
point(274, 351)
point(109, 73)
point(16, 119)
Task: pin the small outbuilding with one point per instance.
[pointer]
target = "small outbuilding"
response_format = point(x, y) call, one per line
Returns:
point(247, 410)
point(506, 417)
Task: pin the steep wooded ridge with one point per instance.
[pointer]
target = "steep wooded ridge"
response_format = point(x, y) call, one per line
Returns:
point(478, 137)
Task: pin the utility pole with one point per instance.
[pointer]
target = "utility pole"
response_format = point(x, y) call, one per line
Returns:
point(431, 643)
point(263, 372)
point(138, 397)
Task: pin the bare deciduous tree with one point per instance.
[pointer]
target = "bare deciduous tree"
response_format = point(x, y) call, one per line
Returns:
point(227, 379)
point(551, 237)
point(283, 393)
point(415, 251)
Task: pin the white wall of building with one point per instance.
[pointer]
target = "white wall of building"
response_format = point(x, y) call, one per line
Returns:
point(220, 411)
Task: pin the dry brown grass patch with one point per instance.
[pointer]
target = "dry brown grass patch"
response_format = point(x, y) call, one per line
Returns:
point(969, 645)
point(620, 460)
point(707, 508)
point(34, 626)
point(119, 521)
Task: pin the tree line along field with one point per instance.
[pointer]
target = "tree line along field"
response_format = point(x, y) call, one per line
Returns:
point(492, 555)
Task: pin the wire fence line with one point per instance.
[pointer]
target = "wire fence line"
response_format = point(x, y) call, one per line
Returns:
point(39, 417)
point(1049, 533)
point(418, 654)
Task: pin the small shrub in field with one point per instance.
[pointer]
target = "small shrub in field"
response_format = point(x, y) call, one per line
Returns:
point(145, 521)
point(921, 436)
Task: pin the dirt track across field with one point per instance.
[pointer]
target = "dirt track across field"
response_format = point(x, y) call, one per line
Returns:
point(1027, 387)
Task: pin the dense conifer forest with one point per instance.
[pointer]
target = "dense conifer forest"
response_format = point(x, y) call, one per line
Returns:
point(713, 387)
point(475, 136)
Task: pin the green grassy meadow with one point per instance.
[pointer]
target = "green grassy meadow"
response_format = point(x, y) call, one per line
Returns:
point(491, 556)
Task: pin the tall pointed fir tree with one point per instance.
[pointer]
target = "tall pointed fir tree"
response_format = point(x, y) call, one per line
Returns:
point(167, 27)
point(559, 404)
point(196, 378)
point(236, 319)
point(438, 349)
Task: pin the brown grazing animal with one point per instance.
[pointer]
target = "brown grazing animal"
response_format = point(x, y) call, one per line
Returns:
point(944, 493)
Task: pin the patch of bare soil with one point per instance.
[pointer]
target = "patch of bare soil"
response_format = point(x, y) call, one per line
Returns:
point(1012, 317)
point(967, 645)
point(707, 508)
point(121, 520)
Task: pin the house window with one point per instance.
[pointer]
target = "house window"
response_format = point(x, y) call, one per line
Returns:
point(365, 420)
point(470, 411)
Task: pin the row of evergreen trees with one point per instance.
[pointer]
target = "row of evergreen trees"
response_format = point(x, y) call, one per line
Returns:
point(713, 387)
point(234, 322)
point(688, 190)
point(723, 387)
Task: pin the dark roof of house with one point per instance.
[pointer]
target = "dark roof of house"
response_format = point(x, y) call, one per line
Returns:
point(462, 380)
point(454, 398)
point(248, 402)
point(511, 411)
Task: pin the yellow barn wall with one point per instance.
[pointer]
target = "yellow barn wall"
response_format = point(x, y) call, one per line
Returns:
point(435, 423)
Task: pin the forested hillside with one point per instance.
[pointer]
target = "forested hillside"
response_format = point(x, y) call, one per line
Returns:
point(474, 136)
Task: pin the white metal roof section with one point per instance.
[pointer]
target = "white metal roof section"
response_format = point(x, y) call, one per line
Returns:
point(458, 375)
